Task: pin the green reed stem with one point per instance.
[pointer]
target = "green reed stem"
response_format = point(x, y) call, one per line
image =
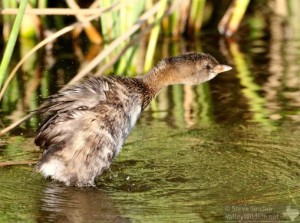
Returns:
point(199, 16)
point(128, 16)
point(154, 36)
point(8, 19)
point(12, 41)
point(171, 25)
point(109, 21)
point(196, 15)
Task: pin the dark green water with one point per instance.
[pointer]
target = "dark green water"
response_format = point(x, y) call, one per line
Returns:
point(203, 174)
point(225, 151)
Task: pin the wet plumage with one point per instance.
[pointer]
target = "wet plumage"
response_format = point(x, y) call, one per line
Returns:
point(84, 126)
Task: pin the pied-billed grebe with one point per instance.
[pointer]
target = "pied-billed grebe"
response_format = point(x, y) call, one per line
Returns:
point(84, 126)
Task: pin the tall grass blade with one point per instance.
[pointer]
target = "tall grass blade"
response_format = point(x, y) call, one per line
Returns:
point(8, 19)
point(154, 35)
point(12, 41)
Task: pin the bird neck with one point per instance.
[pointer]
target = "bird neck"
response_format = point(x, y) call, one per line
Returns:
point(161, 76)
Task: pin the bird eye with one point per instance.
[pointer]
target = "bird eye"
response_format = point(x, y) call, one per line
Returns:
point(208, 66)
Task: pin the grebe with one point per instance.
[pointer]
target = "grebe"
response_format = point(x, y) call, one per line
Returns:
point(84, 126)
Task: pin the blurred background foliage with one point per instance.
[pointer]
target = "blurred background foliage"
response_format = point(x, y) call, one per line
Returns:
point(125, 37)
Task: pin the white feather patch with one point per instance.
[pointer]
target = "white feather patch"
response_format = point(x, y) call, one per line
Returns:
point(51, 167)
point(135, 113)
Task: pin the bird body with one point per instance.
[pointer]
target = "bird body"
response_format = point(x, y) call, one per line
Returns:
point(97, 115)
point(84, 126)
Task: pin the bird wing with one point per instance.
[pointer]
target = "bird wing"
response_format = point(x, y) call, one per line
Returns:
point(83, 96)
point(65, 112)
